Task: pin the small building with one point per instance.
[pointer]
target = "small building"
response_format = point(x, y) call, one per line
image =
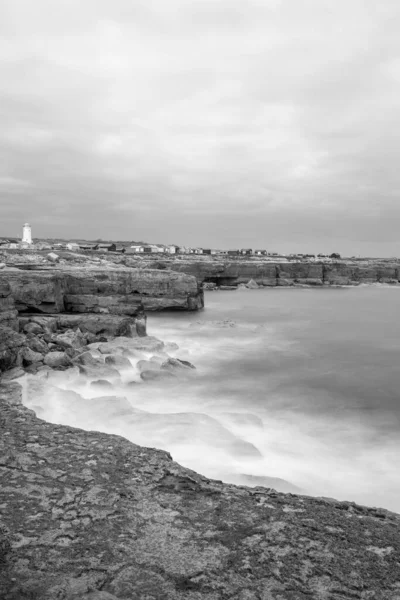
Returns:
point(72, 246)
point(88, 246)
point(233, 252)
point(206, 250)
point(153, 249)
point(107, 247)
point(120, 249)
point(172, 249)
point(135, 249)
point(246, 251)
point(260, 252)
point(26, 234)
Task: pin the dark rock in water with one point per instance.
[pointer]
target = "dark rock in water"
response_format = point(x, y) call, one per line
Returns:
point(86, 515)
point(153, 375)
point(101, 383)
point(252, 285)
point(118, 361)
point(171, 364)
point(148, 365)
point(86, 358)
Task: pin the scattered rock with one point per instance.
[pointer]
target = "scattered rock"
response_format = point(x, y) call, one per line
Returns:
point(70, 339)
point(52, 257)
point(118, 361)
point(36, 344)
point(86, 358)
point(2, 265)
point(171, 364)
point(55, 360)
point(101, 383)
point(12, 374)
point(30, 357)
point(252, 285)
point(34, 328)
point(148, 365)
point(153, 374)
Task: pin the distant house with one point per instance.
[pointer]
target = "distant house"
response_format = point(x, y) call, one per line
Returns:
point(107, 247)
point(260, 252)
point(233, 252)
point(246, 251)
point(135, 249)
point(206, 250)
point(88, 246)
point(72, 246)
point(153, 249)
point(214, 251)
point(172, 249)
point(120, 249)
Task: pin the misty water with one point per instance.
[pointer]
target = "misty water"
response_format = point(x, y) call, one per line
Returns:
point(296, 389)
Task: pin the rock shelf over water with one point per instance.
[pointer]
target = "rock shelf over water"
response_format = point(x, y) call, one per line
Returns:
point(91, 515)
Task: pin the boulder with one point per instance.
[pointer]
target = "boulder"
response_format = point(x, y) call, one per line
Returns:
point(121, 362)
point(70, 339)
point(101, 384)
point(36, 344)
point(171, 364)
point(53, 257)
point(2, 265)
point(148, 365)
point(156, 375)
point(30, 357)
point(252, 285)
point(86, 358)
point(14, 373)
point(34, 328)
point(57, 360)
point(99, 325)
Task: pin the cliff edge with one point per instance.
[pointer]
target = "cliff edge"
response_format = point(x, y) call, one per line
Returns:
point(92, 516)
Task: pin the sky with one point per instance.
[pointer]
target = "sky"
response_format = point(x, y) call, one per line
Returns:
point(217, 123)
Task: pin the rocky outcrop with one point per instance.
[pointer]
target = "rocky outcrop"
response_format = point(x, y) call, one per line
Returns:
point(228, 273)
point(122, 291)
point(87, 515)
point(8, 312)
point(105, 291)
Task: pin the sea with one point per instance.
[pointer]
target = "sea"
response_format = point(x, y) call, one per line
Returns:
point(297, 389)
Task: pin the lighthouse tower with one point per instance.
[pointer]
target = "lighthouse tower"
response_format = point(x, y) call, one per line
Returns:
point(27, 234)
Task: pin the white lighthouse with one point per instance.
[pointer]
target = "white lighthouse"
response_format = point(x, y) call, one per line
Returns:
point(27, 234)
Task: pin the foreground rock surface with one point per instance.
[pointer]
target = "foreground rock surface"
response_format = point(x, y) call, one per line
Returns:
point(91, 516)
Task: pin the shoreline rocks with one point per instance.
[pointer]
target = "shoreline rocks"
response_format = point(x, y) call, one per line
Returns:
point(87, 515)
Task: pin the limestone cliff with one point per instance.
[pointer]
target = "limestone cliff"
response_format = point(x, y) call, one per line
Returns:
point(268, 273)
point(87, 515)
point(120, 291)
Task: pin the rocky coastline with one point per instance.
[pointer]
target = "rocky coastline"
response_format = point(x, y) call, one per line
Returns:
point(90, 515)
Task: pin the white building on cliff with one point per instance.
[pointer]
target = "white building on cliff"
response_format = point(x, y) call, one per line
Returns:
point(26, 234)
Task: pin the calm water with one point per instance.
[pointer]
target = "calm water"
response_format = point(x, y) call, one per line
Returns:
point(296, 384)
point(319, 369)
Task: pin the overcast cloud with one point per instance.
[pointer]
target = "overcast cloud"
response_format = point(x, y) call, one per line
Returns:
point(222, 123)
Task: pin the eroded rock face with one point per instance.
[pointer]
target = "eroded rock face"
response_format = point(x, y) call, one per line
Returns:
point(89, 515)
point(115, 291)
point(128, 291)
